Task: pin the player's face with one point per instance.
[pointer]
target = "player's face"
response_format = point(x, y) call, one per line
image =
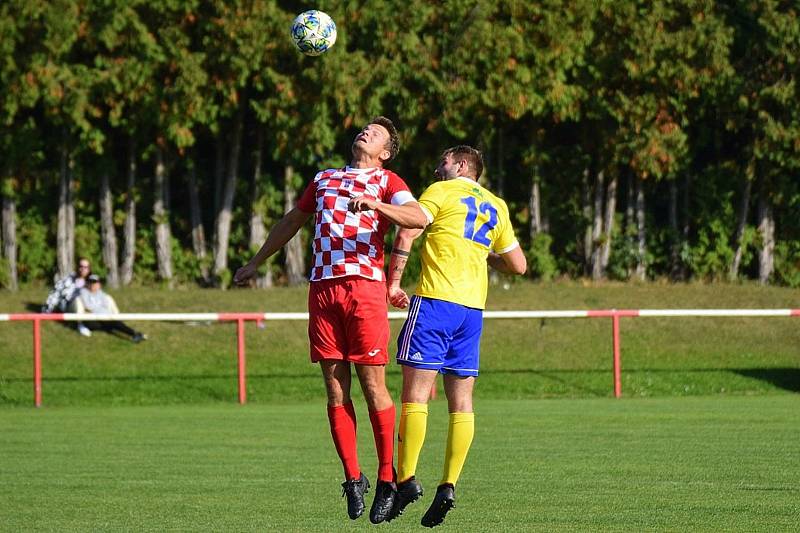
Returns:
point(372, 140)
point(447, 168)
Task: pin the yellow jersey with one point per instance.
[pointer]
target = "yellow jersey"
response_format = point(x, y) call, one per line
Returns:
point(466, 221)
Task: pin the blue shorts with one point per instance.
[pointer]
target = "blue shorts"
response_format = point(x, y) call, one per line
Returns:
point(441, 336)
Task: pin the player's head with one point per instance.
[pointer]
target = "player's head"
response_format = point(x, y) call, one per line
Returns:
point(379, 139)
point(93, 282)
point(461, 160)
point(84, 267)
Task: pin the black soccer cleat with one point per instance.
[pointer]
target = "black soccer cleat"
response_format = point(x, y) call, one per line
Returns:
point(385, 493)
point(444, 500)
point(355, 489)
point(408, 492)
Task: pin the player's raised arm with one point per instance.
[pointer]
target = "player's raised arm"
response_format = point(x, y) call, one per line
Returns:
point(408, 215)
point(279, 235)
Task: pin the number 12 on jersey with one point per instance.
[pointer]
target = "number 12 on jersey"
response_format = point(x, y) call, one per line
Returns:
point(479, 236)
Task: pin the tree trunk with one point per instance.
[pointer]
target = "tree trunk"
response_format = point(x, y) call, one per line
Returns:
point(641, 260)
point(71, 214)
point(586, 199)
point(630, 204)
point(675, 244)
point(108, 232)
point(258, 231)
point(161, 217)
point(597, 226)
point(65, 236)
point(766, 228)
point(741, 224)
point(225, 214)
point(219, 174)
point(129, 229)
point(9, 220)
point(608, 223)
point(196, 220)
point(535, 206)
point(295, 262)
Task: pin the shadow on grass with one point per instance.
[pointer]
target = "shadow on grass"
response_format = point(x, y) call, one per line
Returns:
point(783, 378)
point(554, 375)
point(33, 307)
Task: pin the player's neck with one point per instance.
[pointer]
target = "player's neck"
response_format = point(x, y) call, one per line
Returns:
point(365, 161)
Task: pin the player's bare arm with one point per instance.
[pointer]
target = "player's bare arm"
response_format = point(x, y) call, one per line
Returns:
point(285, 229)
point(397, 264)
point(408, 215)
point(511, 262)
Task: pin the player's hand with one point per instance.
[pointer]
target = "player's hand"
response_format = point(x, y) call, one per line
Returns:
point(362, 203)
point(244, 274)
point(397, 297)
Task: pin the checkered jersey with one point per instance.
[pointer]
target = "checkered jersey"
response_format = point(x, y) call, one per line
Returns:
point(350, 244)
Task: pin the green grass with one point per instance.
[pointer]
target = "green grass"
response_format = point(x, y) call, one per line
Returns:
point(149, 438)
point(716, 463)
point(520, 358)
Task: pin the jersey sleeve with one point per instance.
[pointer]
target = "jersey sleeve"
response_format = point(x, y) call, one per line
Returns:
point(431, 200)
point(308, 200)
point(505, 241)
point(397, 192)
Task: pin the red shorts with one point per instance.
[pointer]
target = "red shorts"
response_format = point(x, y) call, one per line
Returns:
point(348, 320)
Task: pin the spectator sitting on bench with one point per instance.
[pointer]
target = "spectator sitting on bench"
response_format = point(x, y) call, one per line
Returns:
point(95, 300)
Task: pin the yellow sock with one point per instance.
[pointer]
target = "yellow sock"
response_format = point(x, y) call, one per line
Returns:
point(459, 438)
point(410, 437)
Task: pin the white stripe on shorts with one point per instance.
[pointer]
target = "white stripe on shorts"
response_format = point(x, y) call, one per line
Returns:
point(411, 321)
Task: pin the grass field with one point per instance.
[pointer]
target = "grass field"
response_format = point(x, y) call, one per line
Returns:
point(149, 438)
point(668, 464)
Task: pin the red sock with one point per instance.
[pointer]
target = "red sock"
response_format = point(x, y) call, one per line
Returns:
point(342, 419)
point(383, 429)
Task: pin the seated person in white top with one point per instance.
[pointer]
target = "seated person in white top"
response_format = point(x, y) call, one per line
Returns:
point(96, 301)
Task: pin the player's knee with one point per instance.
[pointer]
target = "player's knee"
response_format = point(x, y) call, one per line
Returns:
point(376, 395)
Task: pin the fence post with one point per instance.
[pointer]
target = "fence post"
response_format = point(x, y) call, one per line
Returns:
point(617, 372)
point(240, 349)
point(37, 363)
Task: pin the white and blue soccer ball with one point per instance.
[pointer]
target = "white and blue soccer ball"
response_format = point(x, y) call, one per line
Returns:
point(313, 32)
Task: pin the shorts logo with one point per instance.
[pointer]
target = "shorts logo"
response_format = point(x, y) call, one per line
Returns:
point(416, 357)
point(373, 353)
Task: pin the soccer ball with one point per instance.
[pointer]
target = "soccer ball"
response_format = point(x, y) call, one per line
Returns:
point(313, 32)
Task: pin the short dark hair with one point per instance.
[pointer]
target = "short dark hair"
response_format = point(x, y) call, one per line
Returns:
point(393, 145)
point(470, 155)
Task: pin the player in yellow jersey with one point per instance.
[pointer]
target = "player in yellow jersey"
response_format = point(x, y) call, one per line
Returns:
point(469, 227)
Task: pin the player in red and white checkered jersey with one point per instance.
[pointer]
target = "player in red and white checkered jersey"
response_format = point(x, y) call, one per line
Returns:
point(348, 322)
point(347, 243)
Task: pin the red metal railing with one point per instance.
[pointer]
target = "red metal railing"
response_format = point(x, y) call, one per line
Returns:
point(240, 319)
